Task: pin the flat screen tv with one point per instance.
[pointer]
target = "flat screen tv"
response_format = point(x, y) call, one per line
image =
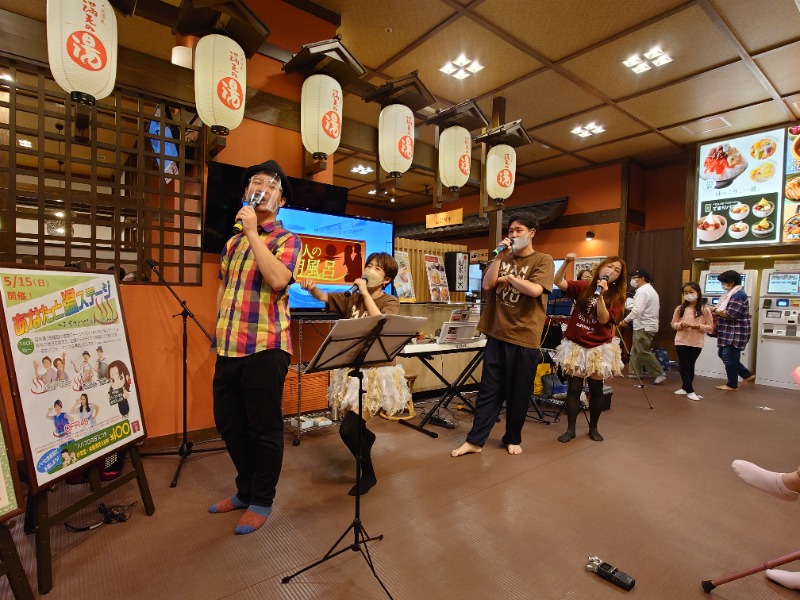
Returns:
point(224, 199)
point(334, 250)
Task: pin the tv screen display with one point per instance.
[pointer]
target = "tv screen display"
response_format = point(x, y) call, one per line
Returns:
point(783, 284)
point(475, 275)
point(713, 287)
point(170, 167)
point(320, 197)
point(335, 248)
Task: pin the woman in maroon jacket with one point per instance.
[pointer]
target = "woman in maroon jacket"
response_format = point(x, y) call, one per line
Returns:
point(588, 350)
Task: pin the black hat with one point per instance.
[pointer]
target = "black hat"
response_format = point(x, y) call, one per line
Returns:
point(643, 274)
point(270, 166)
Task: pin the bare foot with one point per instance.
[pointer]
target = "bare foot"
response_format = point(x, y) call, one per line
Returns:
point(514, 449)
point(726, 388)
point(750, 379)
point(465, 448)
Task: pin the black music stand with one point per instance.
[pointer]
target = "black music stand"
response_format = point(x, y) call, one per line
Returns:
point(356, 343)
point(185, 451)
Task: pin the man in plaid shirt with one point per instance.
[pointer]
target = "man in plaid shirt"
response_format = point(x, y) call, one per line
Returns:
point(253, 343)
point(733, 329)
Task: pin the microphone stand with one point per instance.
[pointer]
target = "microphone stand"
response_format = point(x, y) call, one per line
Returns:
point(185, 450)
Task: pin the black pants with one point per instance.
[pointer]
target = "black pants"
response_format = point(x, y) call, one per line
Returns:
point(508, 374)
point(248, 393)
point(687, 359)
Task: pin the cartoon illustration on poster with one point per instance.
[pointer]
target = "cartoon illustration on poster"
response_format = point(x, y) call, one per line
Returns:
point(73, 368)
point(403, 283)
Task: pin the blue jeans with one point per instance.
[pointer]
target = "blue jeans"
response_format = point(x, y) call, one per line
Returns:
point(733, 367)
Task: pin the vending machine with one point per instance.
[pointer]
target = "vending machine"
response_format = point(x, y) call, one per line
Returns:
point(709, 364)
point(778, 329)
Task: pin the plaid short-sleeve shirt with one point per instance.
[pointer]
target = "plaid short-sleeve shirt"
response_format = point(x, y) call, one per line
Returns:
point(252, 316)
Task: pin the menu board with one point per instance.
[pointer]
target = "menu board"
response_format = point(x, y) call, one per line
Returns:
point(437, 278)
point(740, 190)
point(790, 231)
point(403, 283)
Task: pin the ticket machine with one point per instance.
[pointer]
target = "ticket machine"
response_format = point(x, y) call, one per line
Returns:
point(778, 329)
point(709, 364)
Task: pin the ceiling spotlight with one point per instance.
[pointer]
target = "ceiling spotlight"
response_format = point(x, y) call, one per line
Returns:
point(461, 61)
point(25, 143)
point(641, 68)
point(391, 199)
point(449, 69)
point(662, 60)
point(589, 235)
point(655, 57)
point(587, 130)
point(461, 74)
point(372, 192)
point(474, 67)
point(462, 67)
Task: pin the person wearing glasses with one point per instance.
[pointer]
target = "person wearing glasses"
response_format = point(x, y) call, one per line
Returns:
point(253, 343)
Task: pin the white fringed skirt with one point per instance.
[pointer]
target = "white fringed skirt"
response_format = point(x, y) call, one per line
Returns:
point(577, 360)
point(385, 389)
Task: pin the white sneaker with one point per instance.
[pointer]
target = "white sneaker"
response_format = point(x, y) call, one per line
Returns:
point(693, 396)
point(681, 392)
point(659, 380)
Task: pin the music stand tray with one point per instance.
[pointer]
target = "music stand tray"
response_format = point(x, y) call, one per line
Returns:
point(353, 344)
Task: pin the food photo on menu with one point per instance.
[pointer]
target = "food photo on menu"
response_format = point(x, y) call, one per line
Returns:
point(791, 190)
point(746, 219)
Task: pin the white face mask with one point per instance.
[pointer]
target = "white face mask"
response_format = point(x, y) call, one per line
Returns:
point(519, 243)
point(634, 282)
point(690, 297)
point(373, 278)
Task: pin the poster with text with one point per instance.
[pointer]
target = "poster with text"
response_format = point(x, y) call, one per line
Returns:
point(790, 228)
point(437, 278)
point(587, 262)
point(70, 367)
point(403, 283)
point(740, 189)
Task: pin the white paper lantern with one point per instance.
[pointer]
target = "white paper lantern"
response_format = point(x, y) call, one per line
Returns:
point(501, 171)
point(82, 47)
point(220, 79)
point(455, 157)
point(396, 139)
point(321, 115)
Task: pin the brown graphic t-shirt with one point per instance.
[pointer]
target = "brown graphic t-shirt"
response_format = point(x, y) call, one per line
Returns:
point(514, 317)
point(352, 307)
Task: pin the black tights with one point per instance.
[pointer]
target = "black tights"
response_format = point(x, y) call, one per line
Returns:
point(348, 431)
point(573, 405)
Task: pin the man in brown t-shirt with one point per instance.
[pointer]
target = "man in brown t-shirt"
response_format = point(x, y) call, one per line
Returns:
point(512, 320)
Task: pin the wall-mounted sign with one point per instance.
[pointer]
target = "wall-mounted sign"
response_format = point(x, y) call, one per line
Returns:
point(437, 278)
point(740, 190)
point(442, 219)
point(404, 283)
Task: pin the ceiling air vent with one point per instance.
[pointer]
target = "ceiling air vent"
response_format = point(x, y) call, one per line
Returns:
point(705, 125)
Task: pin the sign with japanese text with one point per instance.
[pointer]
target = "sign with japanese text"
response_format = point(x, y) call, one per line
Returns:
point(330, 260)
point(70, 368)
point(442, 219)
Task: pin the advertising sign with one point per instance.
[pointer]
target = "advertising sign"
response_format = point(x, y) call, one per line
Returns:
point(70, 367)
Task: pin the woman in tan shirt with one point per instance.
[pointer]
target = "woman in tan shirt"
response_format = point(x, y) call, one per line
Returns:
point(692, 320)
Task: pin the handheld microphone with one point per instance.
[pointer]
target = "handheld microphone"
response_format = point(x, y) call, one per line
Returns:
point(351, 291)
point(255, 200)
point(499, 249)
point(599, 289)
point(151, 263)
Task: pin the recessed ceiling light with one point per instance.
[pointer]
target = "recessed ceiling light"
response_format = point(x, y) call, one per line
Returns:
point(372, 192)
point(641, 68)
point(587, 130)
point(654, 53)
point(462, 67)
point(6, 77)
point(632, 61)
point(391, 199)
point(662, 60)
point(25, 143)
point(362, 170)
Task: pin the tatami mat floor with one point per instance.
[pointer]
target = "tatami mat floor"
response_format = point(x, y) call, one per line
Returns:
point(657, 499)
